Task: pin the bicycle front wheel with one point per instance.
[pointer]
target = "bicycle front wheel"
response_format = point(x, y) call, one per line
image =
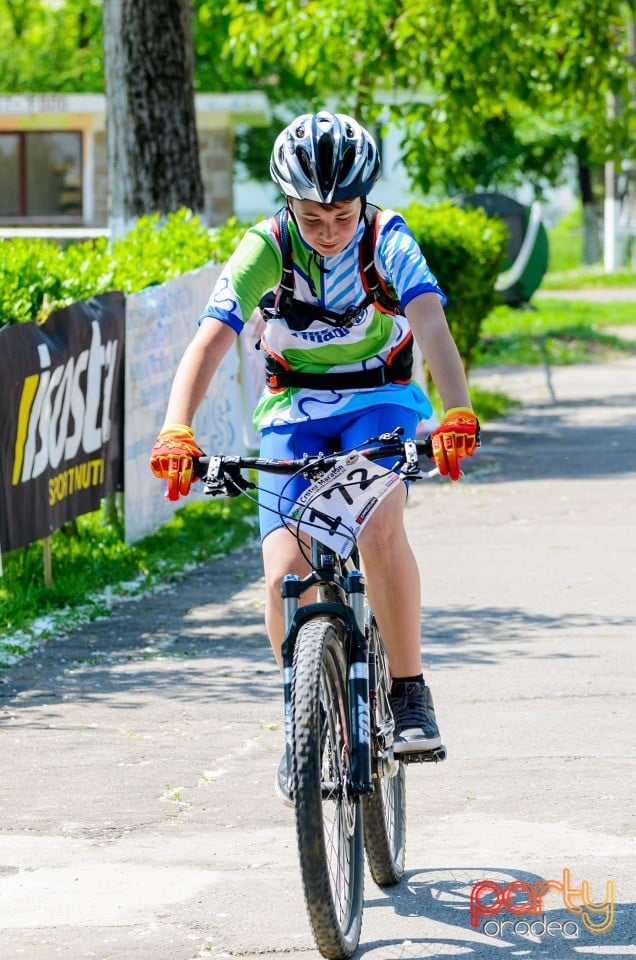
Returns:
point(385, 809)
point(328, 818)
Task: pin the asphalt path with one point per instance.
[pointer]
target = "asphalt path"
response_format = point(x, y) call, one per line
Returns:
point(137, 815)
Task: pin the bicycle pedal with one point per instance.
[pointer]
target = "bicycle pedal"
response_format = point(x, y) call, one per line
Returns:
point(425, 756)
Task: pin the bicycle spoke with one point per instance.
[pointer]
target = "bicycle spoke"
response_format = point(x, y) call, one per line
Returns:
point(385, 810)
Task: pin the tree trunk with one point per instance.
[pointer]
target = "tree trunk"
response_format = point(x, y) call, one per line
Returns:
point(591, 239)
point(152, 145)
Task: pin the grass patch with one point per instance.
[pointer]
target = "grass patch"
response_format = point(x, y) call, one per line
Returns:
point(491, 404)
point(92, 565)
point(591, 278)
point(558, 332)
point(565, 240)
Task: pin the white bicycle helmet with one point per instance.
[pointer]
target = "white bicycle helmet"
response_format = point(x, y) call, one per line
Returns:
point(325, 157)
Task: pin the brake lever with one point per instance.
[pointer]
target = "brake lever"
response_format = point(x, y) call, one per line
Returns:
point(236, 484)
point(224, 479)
point(412, 468)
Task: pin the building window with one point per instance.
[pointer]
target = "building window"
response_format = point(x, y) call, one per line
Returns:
point(41, 175)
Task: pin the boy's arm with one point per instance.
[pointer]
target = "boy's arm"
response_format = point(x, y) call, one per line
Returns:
point(430, 329)
point(172, 457)
point(458, 434)
point(253, 268)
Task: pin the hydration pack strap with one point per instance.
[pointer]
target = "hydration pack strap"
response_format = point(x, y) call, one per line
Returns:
point(300, 315)
point(378, 292)
point(398, 369)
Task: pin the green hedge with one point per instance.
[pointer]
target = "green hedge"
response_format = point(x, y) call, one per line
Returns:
point(465, 249)
point(37, 276)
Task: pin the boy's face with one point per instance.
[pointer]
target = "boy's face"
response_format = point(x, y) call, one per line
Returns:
point(327, 227)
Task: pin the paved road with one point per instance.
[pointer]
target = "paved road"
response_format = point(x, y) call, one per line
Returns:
point(137, 819)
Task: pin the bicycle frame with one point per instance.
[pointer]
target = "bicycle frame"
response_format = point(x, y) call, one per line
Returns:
point(345, 592)
point(348, 608)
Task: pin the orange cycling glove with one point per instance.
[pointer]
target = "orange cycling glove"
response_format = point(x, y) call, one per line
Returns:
point(172, 459)
point(457, 436)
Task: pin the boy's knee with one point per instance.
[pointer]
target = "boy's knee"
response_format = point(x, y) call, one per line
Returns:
point(274, 581)
point(381, 538)
point(278, 565)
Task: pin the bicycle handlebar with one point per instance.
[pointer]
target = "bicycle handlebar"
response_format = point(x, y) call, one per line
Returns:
point(216, 470)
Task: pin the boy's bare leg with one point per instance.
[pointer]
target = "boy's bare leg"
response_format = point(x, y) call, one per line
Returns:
point(393, 584)
point(281, 555)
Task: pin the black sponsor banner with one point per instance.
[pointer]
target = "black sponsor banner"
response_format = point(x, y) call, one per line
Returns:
point(61, 417)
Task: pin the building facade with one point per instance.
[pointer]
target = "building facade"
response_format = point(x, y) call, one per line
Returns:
point(53, 166)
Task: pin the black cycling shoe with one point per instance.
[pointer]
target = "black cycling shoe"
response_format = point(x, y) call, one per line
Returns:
point(415, 724)
point(281, 788)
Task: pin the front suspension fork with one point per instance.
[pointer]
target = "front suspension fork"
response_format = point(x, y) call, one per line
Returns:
point(351, 613)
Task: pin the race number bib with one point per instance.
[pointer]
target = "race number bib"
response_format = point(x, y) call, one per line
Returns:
point(335, 508)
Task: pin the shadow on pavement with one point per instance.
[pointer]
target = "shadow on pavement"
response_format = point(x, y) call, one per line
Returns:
point(554, 442)
point(196, 641)
point(530, 450)
point(484, 634)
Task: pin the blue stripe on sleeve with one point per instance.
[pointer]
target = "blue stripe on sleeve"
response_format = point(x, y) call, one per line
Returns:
point(231, 320)
point(414, 292)
point(405, 265)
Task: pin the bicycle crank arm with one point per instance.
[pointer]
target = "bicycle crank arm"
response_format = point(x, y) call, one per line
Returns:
point(386, 765)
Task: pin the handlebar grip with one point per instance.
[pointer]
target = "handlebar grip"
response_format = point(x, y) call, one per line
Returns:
point(200, 466)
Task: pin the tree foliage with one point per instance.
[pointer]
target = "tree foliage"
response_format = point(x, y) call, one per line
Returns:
point(483, 91)
point(533, 74)
point(217, 69)
point(51, 47)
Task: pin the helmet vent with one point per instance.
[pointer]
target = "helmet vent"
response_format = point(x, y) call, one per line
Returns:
point(346, 164)
point(305, 163)
point(325, 160)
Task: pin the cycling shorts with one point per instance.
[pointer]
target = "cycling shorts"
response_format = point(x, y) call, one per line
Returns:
point(341, 432)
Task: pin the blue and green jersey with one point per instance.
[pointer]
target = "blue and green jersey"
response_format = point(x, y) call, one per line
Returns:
point(335, 283)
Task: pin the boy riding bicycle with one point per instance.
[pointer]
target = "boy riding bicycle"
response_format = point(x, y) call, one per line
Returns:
point(338, 347)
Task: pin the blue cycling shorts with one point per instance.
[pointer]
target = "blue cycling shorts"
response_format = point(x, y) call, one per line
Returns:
point(341, 432)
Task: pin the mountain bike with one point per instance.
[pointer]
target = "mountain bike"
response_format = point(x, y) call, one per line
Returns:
point(347, 786)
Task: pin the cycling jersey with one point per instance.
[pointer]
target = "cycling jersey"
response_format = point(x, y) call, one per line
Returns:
point(335, 283)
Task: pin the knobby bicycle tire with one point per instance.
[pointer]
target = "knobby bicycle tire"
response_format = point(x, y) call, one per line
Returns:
point(328, 820)
point(385, 809)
